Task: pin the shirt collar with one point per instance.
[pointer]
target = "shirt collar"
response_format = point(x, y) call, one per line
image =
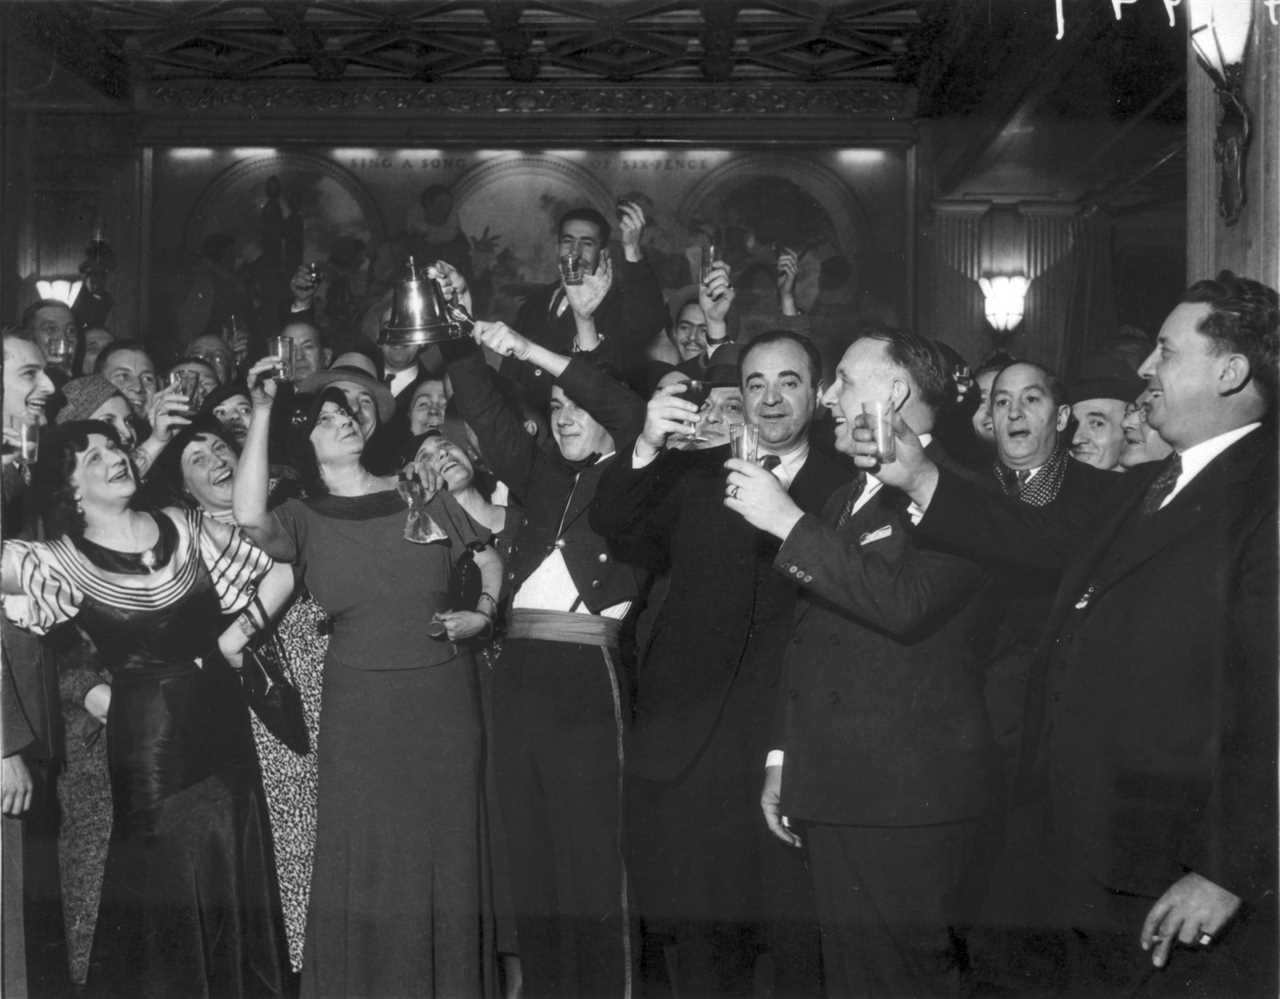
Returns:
point(1197, 456)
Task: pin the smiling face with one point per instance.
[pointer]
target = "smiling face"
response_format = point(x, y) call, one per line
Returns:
point(426, 410)
point(779, 394)
point(451, 461)
point(1099, 436)
point(336, 435)
point(116, 412)
point(1185, 379)
point(1025, 417)
point(208, 472)
point(1141, 442)
point(582, 237)
point(865, 374)
point(133, 373)
point(55, 324)
point(576, 432)
point(103, 477)
point(982, 425)
point(235, 414)
point(26, 387)
point(690, 332)
point(722, 410)
point(362, 404)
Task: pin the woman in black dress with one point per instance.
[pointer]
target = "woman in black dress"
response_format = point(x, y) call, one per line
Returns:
point(189, 906)
point(398, 901)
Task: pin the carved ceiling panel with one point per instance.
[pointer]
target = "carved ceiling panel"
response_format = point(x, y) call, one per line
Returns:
point(520, 41)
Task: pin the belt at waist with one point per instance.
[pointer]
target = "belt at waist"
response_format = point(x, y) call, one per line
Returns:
point(561, 626)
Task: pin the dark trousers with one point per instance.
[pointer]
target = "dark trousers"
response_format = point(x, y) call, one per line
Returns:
point(712, 884)
point(890, 902)
point(557, 743)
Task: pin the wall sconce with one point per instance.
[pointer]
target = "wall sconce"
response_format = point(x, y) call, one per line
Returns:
point(1006, 299)
point(1219, 32)
point(62, 290)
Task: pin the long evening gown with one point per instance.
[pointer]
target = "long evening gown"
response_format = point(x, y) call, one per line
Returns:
point(399, 905)
point(189, 903)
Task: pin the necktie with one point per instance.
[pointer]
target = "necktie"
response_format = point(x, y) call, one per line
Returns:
point(770, 461)
point(1163, 484)
point(859, 483)
point(1020, 477)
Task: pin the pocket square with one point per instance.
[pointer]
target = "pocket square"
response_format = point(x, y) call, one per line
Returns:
point(877, 535)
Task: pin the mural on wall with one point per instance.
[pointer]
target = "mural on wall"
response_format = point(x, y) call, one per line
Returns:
point(240, 222)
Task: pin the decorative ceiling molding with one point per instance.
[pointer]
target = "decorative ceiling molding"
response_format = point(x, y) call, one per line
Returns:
point(887, 101)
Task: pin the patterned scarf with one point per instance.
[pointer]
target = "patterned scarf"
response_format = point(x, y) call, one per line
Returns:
point(1041, 490)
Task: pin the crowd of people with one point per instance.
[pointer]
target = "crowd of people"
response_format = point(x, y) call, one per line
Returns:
point(615, 655)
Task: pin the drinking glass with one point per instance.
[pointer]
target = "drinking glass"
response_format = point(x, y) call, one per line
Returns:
point(879, 416)
point(744, 440)
point(282, 350)
point(572, 267)
point(710, 257)
point(27, 430)
point(59, 350)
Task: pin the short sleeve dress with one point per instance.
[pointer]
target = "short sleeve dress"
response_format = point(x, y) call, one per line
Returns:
point(398, 903)
point(189, 906)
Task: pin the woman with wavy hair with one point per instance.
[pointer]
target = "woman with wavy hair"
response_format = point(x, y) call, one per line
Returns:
point(189, 905)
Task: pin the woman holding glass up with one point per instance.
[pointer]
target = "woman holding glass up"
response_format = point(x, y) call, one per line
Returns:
point(397, 904)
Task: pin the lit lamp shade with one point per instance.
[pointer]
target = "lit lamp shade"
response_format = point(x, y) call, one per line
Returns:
point(61, 290)
point(1006, 297)
point(1219, 31)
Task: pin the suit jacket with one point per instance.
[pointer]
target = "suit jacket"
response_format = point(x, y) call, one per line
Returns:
point(555, 494)
point(630, 316)
point(725, 617)
point(882, 717)
point(1152, 700)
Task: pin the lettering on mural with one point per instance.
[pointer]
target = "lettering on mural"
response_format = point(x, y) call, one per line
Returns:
point(461, 162)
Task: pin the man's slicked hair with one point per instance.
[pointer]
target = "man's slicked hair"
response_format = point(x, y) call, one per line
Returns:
point(922, 360)
point(100, 365)
point(784, 336)
point(29, 313)
point(1245, 319)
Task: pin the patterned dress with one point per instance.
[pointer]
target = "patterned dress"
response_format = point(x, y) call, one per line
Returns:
point(189, 906)
point(289, 779)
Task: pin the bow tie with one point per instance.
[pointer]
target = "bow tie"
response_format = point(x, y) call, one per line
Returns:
point(769, 462)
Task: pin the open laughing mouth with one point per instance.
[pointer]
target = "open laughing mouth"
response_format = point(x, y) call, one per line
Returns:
point(120, 475)
point(221, 477)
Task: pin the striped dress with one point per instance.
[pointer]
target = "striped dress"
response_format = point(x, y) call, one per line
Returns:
point(189, 904)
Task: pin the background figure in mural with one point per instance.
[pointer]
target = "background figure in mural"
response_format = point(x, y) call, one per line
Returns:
point(281, 233)
point(214, 291)
point(438, 234)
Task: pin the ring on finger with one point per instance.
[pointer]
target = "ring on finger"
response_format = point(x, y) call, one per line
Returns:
point(733, 492)
point(1204, 939)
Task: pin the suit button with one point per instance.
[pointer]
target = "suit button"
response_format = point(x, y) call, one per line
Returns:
point(511, 575)
point(595, 584)
point(807, 578)
point(537, 372)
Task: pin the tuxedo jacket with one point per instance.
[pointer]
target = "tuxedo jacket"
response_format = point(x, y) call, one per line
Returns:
point(555, 494)
point(881, 716)
point(726, 616)
point(1151, 706)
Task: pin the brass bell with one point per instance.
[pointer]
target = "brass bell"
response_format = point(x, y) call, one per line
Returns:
point(421, 315)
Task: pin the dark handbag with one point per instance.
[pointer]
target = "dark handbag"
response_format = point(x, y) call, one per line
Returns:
point(464, 579)
point(270, 692)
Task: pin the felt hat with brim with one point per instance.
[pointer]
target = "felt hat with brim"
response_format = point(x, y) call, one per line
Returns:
point(722, 367)
point(340, 373)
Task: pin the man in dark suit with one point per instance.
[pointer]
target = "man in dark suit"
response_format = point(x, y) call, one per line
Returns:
point(615, 312)
point(702, 867)
point(559, 699)
point(883, 737)
point(1152, 707)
